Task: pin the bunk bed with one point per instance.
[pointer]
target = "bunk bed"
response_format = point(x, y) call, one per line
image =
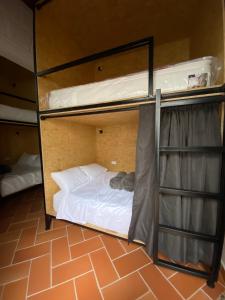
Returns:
point(26, 172)
point(206, 95)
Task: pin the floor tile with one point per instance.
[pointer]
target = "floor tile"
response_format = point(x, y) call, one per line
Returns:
point(59, 223)
point(86, 285)
point(50, 235)
point(103, 267)
point(14, 272)
point(39, 274)
point(157, 283)
point(71, 269)
point(19, 217)
point(186, 284)
point(74, 234)
point(61, 292)
point(6, 253)
point(85, 247)
point(129, 247)
point(27, 238)
point(199, 296)
point(15, 290)
point(129, 288)
point(215, 292)
point(131, 262)
point(113, 246)
point(88, 233)
point(9, 236)
point(31, 252)
point(5, 224)
point(22, 225)
point(60, 251)
point(148, 296)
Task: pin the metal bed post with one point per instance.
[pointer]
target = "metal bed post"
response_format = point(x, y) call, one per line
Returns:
point(47, 217)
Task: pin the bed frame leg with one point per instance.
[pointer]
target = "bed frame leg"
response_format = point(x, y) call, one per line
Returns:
point(48, 220)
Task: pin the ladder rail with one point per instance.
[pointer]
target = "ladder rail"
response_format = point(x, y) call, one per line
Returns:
point(216, 239)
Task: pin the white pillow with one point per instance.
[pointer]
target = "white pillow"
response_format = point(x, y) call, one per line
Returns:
point(70, 179)
point(93, 170)
point(27, 159)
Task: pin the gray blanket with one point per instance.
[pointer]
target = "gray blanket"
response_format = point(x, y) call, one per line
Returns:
point(123, 181)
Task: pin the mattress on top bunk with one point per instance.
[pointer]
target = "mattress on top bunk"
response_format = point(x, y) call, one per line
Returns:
point(190, 74)
point(21, 177)
point(96, 203)
point(17, 114)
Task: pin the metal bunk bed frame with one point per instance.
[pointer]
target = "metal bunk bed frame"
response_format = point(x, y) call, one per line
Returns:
point(189, 97)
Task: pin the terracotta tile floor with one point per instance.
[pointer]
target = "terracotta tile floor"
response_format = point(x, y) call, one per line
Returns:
point(72, 263)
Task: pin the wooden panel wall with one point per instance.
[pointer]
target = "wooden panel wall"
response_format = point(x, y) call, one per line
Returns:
point(117, 143)
point(15, 140)
point(64, 145)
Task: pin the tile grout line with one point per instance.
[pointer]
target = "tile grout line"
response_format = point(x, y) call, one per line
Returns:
point(149, 289)
point(122, 246)
point(96, 279)
point(28, 280)
point(206, 294)
point(75, 289)
point(14, 254)
point(144, 252)
point(67, 238)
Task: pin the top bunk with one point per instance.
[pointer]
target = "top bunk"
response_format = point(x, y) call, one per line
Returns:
point(18, 105)
point(183, 63)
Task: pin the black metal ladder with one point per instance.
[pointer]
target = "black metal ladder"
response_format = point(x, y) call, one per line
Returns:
point(216, 239)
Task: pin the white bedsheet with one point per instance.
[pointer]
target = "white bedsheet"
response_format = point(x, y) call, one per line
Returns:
point(189, 74)
point(96, 203)
point(20, 178)
point(17, 114)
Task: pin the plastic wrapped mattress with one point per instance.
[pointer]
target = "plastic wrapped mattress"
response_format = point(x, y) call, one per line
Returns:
point(190, 74)
point(17, 114)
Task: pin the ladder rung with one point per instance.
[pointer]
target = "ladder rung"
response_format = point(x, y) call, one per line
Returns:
point(188, 193)
point(188, 233)
point(192, 149)
point(180, 268)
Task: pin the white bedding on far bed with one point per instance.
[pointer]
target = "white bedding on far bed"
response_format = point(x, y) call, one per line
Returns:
point(96, 203)
point(17, 114)
point(20, 178)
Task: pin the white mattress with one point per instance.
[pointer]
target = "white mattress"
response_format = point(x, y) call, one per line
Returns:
point(17, 114)
point(96, 203)
point(20, 178)
point(190, 74)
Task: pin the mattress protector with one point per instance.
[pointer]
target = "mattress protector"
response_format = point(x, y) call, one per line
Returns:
point(17, 114)
point(200, 72)
point(96, 203)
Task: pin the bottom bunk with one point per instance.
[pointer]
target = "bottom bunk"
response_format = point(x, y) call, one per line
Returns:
point(105, 142)
point(25, 173)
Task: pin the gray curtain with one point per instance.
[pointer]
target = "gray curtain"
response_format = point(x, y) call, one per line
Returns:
point(197, 125)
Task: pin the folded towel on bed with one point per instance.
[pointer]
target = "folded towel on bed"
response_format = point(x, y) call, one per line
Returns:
point(128, 182)
point(116, 182)
point(123, 181)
